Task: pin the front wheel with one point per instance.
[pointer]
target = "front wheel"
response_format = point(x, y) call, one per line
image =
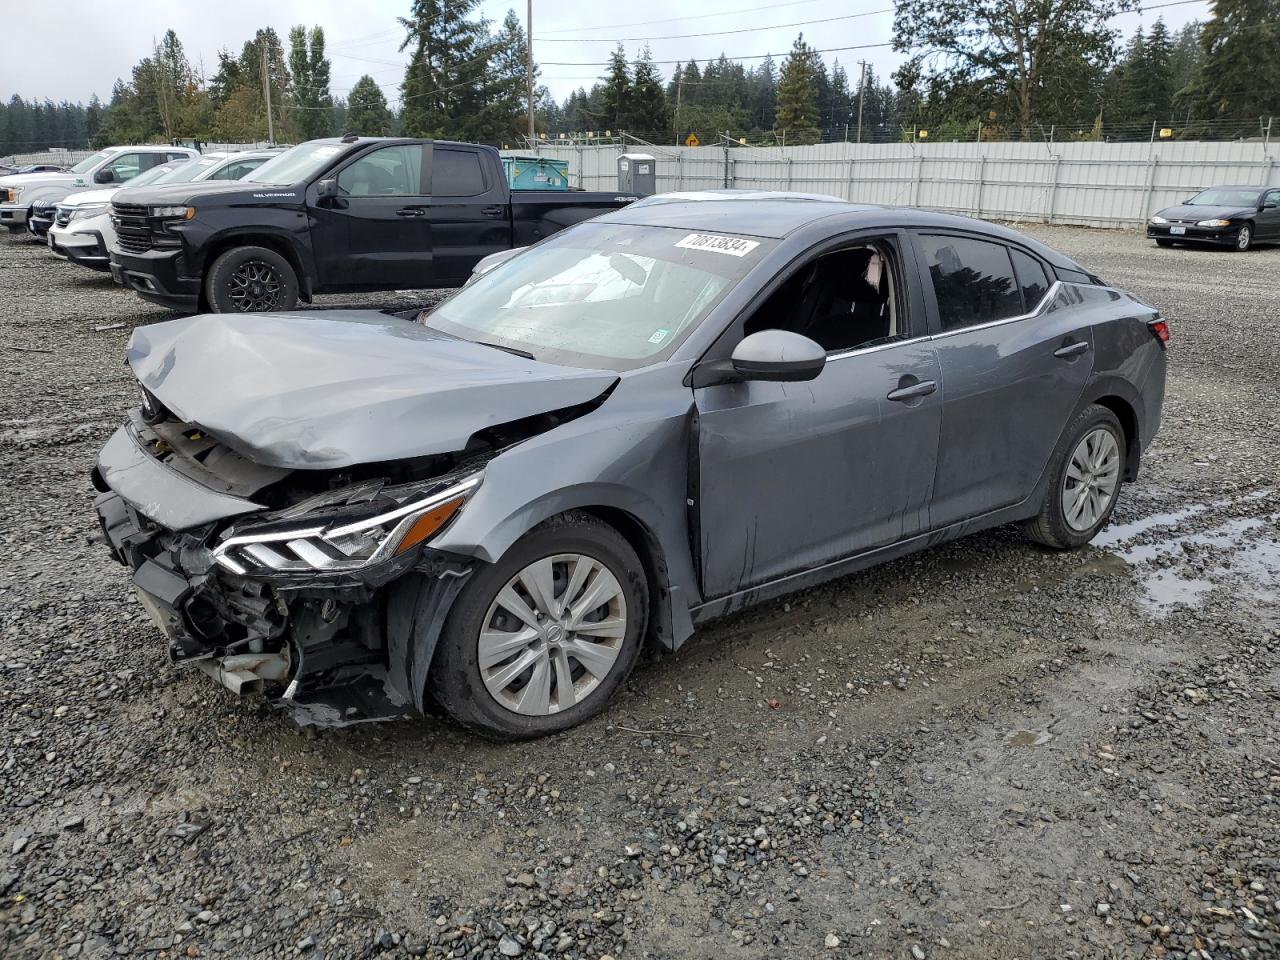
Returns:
point(1164, 243)
point(1084, 482)
point(251, 280)
point(1244, 239)
point(541, 640)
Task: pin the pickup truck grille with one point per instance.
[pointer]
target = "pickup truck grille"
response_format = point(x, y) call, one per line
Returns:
point(133, 227)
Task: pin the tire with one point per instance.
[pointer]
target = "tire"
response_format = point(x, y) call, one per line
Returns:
point(1244, 239)
point(475, 692)
point(1055, 525)
point(1164, 243)
point(251, 280)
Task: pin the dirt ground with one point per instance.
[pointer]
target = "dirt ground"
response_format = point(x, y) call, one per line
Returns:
point(983, 751)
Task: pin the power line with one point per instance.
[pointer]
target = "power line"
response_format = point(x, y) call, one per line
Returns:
point(699, 16)
point(758, 56)
point(722, 33)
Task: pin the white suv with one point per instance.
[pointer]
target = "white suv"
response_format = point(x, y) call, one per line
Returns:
point(82, 230)
point(113, 165)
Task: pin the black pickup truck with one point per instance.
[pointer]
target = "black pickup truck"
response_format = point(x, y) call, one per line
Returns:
point(334, 215)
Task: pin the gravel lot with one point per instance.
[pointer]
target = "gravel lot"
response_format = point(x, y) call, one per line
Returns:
point(984, 751)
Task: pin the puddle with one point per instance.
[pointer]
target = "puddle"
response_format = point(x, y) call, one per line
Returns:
point(1028, 738)
point(1167, 590)
point(1120, 532)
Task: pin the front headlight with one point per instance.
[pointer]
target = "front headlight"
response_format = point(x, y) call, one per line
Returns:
point(12, 194)
point(327, 539)
point(1158, 219)
point(1213, 223)
point(186, 213)
point(87, 211)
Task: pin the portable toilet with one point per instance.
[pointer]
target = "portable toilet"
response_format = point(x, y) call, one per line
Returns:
point(536, 173)
point(637, 173)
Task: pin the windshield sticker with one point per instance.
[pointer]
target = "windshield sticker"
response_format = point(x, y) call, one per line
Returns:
point(714, 243)
point(659, 335)
point(325, 151)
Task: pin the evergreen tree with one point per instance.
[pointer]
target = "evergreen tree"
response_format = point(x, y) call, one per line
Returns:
point(366, 110)
point(446, 84)
point(311, 96)
point(798, 95)
point(507, 115)
point(616, 92)
point(648, 115)
point(1184, 61)
point(1240, 73)
point(763, 102)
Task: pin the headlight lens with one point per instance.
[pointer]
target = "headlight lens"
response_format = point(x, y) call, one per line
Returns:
point(327, 540)
point(87, 211)
point(186, 213)
point(1159, 220)
point(1213, 223)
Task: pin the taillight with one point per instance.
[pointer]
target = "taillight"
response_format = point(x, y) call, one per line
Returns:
point(1160, 329)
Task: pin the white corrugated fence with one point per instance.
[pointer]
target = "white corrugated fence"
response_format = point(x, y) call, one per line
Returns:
point(1086, 183)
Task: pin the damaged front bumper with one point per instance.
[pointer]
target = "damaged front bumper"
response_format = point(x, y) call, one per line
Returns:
point(333, 649)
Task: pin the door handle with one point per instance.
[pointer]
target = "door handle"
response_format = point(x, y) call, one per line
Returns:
point(493, 211)
point(1072, 350)
point(411, 212)
point(913, 391)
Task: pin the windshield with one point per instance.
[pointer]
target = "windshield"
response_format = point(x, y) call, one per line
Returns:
point(295, 165)
point(158, 174)
point(194, 170)
point(88, 163)
point(601, 294)
point(1224, 197)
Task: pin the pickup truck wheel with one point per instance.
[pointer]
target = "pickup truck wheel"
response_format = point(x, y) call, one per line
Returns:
point(542, 639)
point(251, 280)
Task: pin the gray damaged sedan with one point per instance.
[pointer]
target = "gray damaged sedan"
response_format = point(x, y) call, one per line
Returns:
point(652, 419)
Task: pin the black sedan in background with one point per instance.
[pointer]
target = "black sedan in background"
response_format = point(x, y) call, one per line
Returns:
point(1225, 216)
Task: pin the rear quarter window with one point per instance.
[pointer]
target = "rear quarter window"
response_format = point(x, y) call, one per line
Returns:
point(1032, 279)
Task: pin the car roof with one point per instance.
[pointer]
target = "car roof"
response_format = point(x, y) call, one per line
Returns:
point(776, 218)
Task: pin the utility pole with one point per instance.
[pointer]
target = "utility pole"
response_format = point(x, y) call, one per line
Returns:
point(675, 119)
point(862, 90)
point(266, 90)
point(529, 70)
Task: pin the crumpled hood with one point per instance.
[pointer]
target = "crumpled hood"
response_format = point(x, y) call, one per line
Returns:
point(1195, 212)
point(328, 389)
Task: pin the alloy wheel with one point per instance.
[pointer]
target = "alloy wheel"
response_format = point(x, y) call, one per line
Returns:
point(1244, 238)
point(552, 634)
point(1092, 478)
point(255, 287)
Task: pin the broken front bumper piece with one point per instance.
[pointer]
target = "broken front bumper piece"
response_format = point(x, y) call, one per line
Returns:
point(333, 649)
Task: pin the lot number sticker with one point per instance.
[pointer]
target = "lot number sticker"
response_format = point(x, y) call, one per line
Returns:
point(715, 243)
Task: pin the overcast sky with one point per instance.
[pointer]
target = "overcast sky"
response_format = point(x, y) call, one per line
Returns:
point(70, 49)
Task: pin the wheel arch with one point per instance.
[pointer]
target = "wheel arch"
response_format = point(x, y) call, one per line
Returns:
point(1121, 400)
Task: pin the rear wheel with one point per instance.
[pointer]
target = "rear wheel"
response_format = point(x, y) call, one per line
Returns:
point(1244, 239)
point(1084, 485)
point(251, 280)
point(541, 640)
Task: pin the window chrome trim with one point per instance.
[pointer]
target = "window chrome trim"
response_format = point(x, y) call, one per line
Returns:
point(1049, 296)
point(858, 351)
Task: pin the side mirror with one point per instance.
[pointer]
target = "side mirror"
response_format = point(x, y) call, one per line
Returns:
point(1268, 205)
point(104, 176)
point(327, 189)
point(778, 356)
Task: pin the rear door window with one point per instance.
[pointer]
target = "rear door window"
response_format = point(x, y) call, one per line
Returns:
point(456, 173)
point(1032, 279)
point(973, 280)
